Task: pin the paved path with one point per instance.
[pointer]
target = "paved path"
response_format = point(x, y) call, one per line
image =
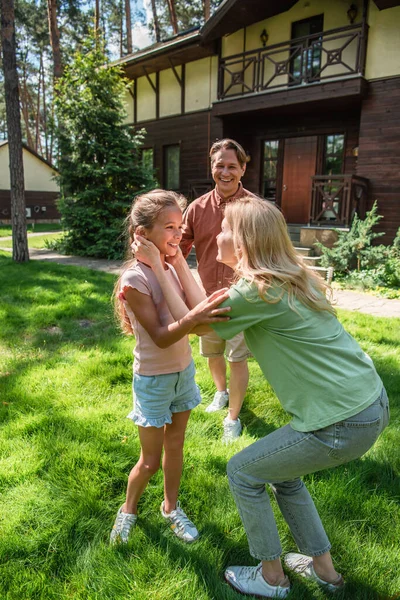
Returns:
point(346, 299)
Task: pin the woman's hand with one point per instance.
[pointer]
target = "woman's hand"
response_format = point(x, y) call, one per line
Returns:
point(208, 310)
point(146, 251)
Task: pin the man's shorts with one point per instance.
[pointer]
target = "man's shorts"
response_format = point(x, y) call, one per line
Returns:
point(157, 397)
point(211, 346)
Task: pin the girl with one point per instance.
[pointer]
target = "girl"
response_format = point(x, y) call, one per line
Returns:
point(163, 382)
point(320, 375)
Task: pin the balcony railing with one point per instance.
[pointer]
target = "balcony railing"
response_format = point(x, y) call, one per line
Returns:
point(336, 199)
point(332, 54)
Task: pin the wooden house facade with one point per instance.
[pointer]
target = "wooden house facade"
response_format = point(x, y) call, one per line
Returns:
point(310, 88)
point(41, 190)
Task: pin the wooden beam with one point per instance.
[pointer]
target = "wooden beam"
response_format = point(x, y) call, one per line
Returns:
point(179, 79)
point(149, 80)
point(183, 86)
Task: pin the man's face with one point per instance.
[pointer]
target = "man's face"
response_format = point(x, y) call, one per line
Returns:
point(226, 172)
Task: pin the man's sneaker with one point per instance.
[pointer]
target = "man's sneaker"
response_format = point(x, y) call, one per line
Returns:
point(249, 580)
point(232, 430)
point(123, 524)
point(303, 565)
point(181, 525)
point(221, 399)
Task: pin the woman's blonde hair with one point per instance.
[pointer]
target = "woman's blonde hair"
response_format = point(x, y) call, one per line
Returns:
point(266, 255)
point(144, 212)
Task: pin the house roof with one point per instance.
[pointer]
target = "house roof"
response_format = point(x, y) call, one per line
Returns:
point(25, 147)
point(177, 50)
point(196, 43)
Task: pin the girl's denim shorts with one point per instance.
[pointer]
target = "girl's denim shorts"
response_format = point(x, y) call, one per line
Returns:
point(157, 397)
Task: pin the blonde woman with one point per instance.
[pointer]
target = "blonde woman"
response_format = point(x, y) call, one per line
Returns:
point(322, 378)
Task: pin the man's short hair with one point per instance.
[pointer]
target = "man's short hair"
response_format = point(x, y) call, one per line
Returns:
point(228, 144)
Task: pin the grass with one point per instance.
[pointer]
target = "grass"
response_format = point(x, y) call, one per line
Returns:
point(67, 448)
point(6, 230)
point(37, 241)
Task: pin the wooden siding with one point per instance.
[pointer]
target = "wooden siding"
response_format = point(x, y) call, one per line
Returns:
point(32, 200)
point(379, 151)
point(250, 131)
point(194, 132)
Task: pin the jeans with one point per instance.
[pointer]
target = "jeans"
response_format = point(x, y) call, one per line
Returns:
point(280, 459)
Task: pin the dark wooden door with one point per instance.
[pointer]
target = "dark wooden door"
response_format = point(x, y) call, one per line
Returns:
point(299, 165)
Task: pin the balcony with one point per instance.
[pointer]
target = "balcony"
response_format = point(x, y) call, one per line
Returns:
point(322, 57)
point(337, 198)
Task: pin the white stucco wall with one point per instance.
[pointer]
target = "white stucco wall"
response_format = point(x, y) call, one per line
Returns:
point(37, 174)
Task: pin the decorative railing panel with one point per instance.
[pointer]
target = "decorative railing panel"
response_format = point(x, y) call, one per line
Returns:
point(336, 199)
point(322, 56)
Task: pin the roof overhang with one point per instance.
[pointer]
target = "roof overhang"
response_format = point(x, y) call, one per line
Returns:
point(176, 51)
point(382, 4)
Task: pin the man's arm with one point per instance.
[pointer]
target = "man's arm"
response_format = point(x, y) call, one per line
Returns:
point(187, 232)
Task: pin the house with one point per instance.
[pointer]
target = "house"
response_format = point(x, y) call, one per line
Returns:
point(310, 88)
point(41, 191)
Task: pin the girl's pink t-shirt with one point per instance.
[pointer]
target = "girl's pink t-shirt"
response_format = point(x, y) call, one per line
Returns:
point(149, 358)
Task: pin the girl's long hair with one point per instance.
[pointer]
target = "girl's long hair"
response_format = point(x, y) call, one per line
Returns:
point(266, 256)
point(144, 212)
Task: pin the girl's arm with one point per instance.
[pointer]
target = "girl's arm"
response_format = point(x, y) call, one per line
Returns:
point(165, 335)
point(147, 252)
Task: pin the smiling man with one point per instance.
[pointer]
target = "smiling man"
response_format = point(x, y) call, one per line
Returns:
point(201, 225)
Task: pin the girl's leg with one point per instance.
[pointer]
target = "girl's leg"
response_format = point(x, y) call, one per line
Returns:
point(151, 442)
point(174, 437)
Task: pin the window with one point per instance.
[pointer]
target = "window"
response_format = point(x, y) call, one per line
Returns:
point(306, 61)
point(171, 166)
point(334, 154)
point(148, 158)
point(270, 169)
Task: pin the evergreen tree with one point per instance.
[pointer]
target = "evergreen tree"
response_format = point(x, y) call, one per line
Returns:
point(100, 165)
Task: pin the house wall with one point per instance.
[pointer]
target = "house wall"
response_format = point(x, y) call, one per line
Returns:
point(250, 132)
point(379, 151)
point(383, 51)
point(37, 175)
point(201, 83)
point(146, 98)
point(194, 133)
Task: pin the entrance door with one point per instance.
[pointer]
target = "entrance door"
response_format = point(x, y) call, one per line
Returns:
point(299, 165)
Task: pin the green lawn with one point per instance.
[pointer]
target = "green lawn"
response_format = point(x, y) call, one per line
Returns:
point(6, 229)
point(67, 448)
point(37, 241)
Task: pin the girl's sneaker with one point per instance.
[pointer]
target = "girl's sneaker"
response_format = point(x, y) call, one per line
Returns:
point(220, 400)
point(249, 581)
point(303, 565)
point(123, 524)
point(181, 525)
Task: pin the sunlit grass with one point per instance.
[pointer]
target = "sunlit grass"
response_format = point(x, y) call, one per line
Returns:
point(66, 449)
point(37, 241)
point(36, 227)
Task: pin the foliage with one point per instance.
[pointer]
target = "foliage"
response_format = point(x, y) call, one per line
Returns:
point(100, 165)
point(67, 448)
point(353, 248)
point(188, 14)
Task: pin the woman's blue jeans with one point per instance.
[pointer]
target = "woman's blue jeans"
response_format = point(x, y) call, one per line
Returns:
point(280, 459)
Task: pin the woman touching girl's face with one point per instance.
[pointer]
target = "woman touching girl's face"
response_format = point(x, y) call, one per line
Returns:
point(226, 250)
point(166, 232)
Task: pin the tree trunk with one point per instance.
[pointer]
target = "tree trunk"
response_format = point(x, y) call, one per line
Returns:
point(128, 26)
point(206, 7)
point(96, 18)
point(172, 16)
point(155, 21)
point(18, 214)
point(54, 39)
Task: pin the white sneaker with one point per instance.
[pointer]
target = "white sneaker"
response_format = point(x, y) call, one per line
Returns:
point(232, 430)
point(220, 400)
point(181, 525)
point(303, 565)
point(123, 524)
point(249, 580)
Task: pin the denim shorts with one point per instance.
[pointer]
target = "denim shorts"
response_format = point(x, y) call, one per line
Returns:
point(157, 397)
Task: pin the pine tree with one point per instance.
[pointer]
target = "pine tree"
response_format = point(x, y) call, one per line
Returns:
point(100, 167)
